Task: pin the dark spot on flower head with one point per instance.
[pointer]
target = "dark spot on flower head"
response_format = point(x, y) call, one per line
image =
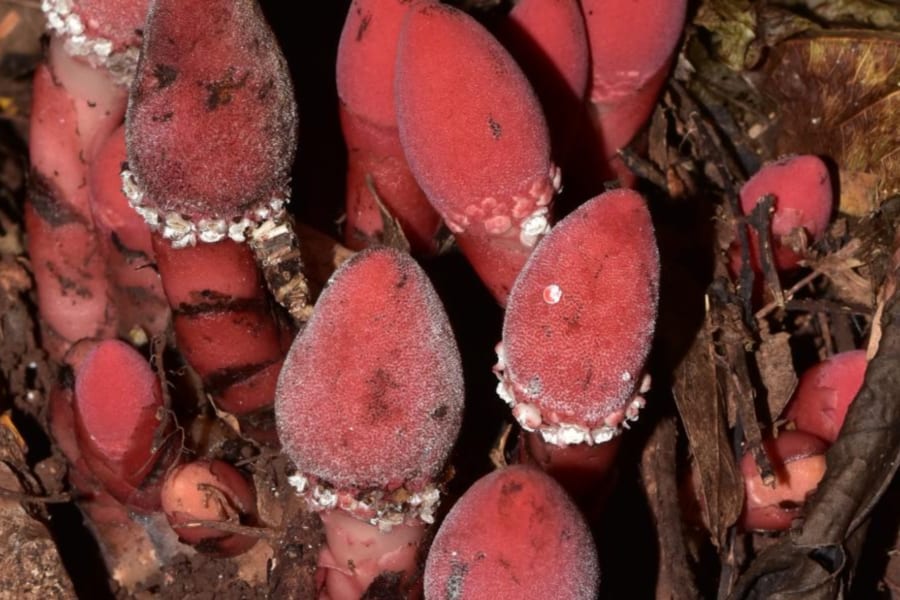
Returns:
point(363, 25)
point(401, 282)
point(379, 386)
point(264, 89)
point(165, 75)
point(510, 487)
point(455, 583)
point(496, 128)
point(219, 93)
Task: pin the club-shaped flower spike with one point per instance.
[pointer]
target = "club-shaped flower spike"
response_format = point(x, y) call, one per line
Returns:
point(580, 321)
point(368, 406)
point(211, 130)
point(210, 133)
point(514, 534)
point(211, 123)
point(476, 139)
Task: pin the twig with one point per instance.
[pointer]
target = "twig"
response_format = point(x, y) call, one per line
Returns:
point(820, 269)
point(262, 533)
point(760, 218)
point(24, 497)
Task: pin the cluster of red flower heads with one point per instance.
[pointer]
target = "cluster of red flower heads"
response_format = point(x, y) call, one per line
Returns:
point(161, 168)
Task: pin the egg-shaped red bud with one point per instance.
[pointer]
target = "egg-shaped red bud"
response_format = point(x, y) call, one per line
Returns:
point(798, 461)
point(824, 394)
point(371, 393)
point(120, 421)
point(803, 200)
point(514, 534)
point(209, 490)
point(580, 321)
point(475, 136)
point(215, 75)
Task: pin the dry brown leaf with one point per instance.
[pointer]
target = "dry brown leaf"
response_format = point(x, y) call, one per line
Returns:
point(776, 368)
point(837, 95)
point(703, 415)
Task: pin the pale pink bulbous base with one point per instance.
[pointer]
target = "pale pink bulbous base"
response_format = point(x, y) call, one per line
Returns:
point(357, 552)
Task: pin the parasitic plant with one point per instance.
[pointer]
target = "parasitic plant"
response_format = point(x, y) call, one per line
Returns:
point(824, 393)
point(476, 139)
point(514, 534)
point(576, 335)
point(209, 490)
point(211, 130)
point(121, 424)
point(369, 404)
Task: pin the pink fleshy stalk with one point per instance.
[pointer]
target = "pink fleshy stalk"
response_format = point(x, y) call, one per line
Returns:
point(514, 534)
point(548, 39)
point(365, 82)
point(67, 258)
point(476, 140)
point(798, 460)
point(209, 490)
point(208, 168)
point(803, 201)
point(824, 394)
point(223, 322)
point(368, 407)
point(77, 102)
point(632, 42)
point(121, 425)
point(98, 100)
point(576, 335)
point(587, 473)
point(136, 287)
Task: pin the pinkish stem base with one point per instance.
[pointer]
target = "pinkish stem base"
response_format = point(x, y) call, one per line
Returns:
point(585, 472)
point(357, 552)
